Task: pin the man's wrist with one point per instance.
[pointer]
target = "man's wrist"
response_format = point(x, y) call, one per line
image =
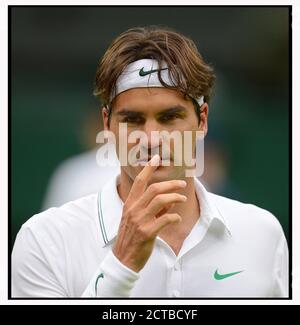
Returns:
point(114, 278)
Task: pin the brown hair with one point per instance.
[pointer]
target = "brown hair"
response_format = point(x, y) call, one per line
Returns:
point(186, 66)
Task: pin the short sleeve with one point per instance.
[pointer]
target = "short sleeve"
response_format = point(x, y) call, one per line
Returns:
point(32, 275)
point(281, 269)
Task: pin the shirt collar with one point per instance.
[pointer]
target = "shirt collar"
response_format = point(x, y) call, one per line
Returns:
point(209, 209)
point(110, 207)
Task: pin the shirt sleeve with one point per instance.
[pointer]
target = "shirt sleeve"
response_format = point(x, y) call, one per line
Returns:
point(112, 279)
point(281, 269)
point(31, 274)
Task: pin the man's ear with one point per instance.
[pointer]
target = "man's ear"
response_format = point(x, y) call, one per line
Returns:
point(203, 125)
point(105, 118)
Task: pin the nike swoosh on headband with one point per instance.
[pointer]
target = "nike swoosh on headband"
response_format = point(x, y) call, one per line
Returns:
point(143, 73)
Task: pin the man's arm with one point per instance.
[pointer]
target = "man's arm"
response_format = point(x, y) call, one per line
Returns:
point(112, 279)
point(33, 275)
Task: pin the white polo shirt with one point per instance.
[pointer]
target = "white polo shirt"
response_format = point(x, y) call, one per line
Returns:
point(234, 250)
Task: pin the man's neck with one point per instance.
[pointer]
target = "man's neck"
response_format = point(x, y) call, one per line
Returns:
point(189, 212)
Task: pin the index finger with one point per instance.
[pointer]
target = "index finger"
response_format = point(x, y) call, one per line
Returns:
point(140, 183)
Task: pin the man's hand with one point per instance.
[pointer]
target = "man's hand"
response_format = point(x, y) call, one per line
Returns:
point(144, 215)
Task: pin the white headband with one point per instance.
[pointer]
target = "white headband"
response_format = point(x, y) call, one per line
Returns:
point(142, 74)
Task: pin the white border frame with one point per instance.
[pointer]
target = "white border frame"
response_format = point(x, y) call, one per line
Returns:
point(4, 151)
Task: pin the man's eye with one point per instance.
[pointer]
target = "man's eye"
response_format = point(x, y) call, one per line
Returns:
point(169, 117)
point(133, 120)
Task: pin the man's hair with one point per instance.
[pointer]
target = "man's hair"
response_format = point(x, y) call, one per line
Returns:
point(187, 68)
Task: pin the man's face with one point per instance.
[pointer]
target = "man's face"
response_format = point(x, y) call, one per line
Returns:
point(155, 109)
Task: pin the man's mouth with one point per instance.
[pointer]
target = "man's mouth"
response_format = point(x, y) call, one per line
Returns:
point(164, 161)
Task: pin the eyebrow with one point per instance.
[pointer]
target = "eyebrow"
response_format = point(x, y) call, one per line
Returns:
point(127, 112)
point(170, 110)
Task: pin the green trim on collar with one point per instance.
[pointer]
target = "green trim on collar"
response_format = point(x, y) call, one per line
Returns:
point(101, 222)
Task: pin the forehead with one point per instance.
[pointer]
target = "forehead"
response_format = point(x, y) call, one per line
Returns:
point(141, 99)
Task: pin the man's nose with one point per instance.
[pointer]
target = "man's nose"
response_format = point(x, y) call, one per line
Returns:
point(152, 129)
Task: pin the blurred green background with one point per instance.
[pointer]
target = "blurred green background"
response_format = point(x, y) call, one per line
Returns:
point(54, 54)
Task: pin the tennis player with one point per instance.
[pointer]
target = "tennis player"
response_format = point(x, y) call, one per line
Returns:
point(152, 231)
